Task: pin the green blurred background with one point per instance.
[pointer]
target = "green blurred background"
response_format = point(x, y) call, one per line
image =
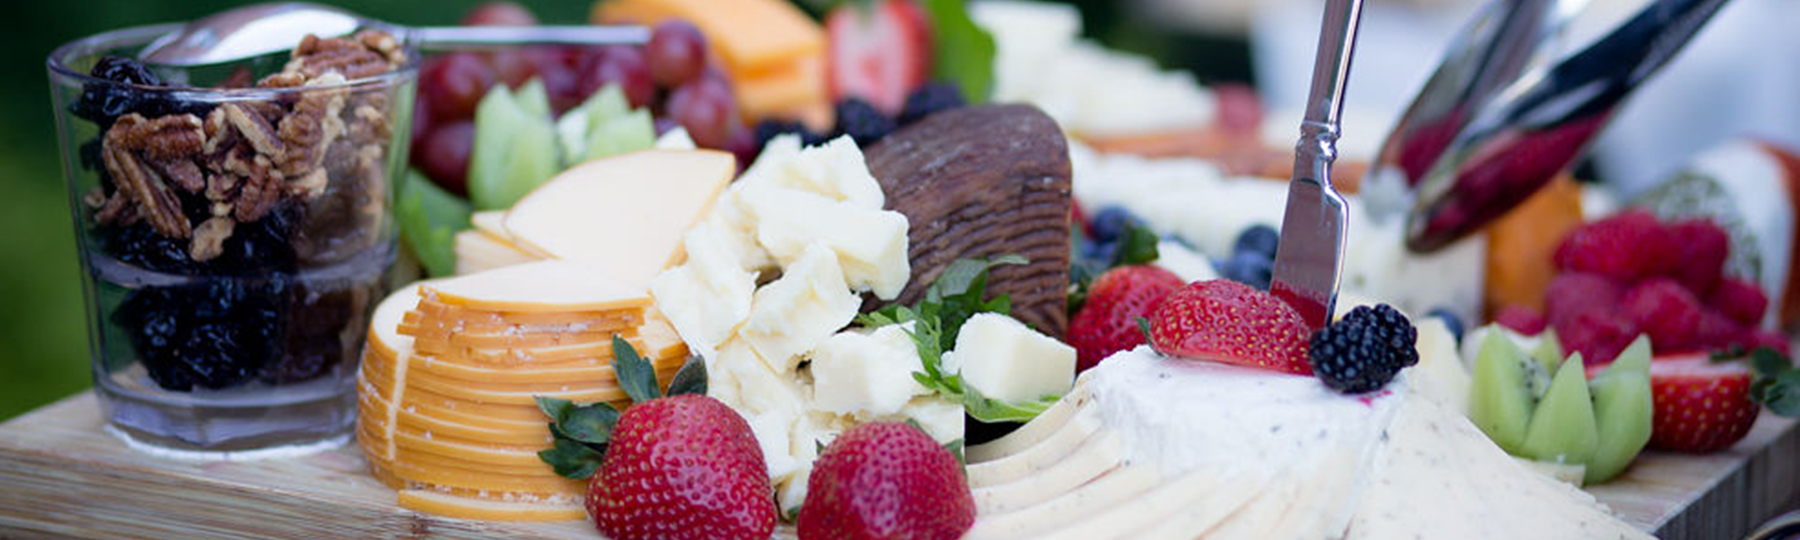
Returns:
point(43, 344)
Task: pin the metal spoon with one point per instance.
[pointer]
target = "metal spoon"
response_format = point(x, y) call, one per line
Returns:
point(1310, 255)
point(260, 29)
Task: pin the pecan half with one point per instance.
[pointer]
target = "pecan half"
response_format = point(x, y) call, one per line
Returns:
point(183, 172)
point(256, 129)
point(262, 188)
point(163, 137)
point(209, 238)
point(155, 201)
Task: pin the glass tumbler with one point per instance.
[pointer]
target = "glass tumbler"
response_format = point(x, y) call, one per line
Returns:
point(234, 227)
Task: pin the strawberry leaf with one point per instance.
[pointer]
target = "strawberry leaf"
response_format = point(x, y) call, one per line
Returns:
point(1143, 326)
point(571, 459)
point(1769, 362)
point(690, 379)
point(635, 374)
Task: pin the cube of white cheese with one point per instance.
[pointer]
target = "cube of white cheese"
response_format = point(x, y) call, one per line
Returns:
point(835, 170)
point(706, 298)
point(759, 388)
point(941, 418)
point(1005, 360)
point(870, 243)
point(773, 436)
point(791, 315)
point(865, 375)
point(730, 220)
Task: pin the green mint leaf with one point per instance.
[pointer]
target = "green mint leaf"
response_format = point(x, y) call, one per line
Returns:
point(963, 274)
point(571, 459)
point(963, 53)
point(690, 379)
point(1137, 245)
point(1769, 362)
point(995, 411)
point(429, 219)
point(635, 374)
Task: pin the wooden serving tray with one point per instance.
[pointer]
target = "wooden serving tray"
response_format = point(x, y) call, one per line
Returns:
point(62, 476)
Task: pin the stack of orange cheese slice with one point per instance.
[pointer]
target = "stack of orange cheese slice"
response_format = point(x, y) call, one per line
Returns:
point(449, 379)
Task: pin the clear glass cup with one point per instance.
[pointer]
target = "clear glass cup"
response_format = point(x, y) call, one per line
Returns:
point(234, 238)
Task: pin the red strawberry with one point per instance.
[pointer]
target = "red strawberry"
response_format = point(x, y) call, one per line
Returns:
point(1625, 247)
point(1520, 319)
point(1570, 294)
point(1227, 321)
point(879, 53)
point(1704, 246)
point(1764, 338)
point(1742, 301)
point(1107, 323)
point(1598, 335)
point(1701, 406)
point(1717, 332)
point(886, 480)
point(1665, 309)
point(682, 467)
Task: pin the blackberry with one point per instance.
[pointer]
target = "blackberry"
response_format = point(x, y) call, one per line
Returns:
point(768, 130)
point(862, 122)
point(930, 98)
point(1364, 350)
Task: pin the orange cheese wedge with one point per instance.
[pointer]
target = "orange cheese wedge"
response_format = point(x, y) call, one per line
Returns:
point(794, 91)
point(750, 36)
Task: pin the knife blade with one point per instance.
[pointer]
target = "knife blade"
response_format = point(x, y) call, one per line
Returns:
point(1309, 257)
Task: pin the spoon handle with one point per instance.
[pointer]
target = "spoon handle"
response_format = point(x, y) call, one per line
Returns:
point(457, 38)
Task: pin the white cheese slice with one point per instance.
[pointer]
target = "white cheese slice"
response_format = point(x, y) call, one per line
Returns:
point(1006, 360)
point(623, 215)
point(543, 286)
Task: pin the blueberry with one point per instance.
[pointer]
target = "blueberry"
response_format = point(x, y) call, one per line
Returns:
point(1258, 239)
point(1451, 321)
point(1248, 268)
point(862, 122)
point(1103, 252)
point(1110, 222)
point(930, 98)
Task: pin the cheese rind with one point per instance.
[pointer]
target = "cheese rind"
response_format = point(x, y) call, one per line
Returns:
point(1005, 360)
point(624, 216)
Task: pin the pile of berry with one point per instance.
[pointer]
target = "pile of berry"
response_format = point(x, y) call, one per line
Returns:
point(863, 121)
point(1632, 273)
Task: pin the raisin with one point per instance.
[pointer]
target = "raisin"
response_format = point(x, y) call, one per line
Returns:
point(139, 245)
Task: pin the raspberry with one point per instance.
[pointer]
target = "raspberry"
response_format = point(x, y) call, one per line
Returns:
point(1704, 247)
point(1717, 331)
point(1570, 294)
point(1664, 309)
point(1626, 247)
point(1520, 319)
point(1364, 350)
point(1598, 335)
point(1740, 300)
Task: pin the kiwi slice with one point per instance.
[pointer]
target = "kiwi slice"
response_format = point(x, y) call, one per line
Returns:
point(1500, 401)
point(1562, 428)
point(1622, 411)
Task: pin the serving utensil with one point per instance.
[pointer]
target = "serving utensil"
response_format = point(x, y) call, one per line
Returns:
point(1309, 258)
point(260, 29)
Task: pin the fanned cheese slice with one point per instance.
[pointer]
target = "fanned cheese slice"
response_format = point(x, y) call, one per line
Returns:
point(491, 223)
point(476, 320)
point(625, 215)
point(488, 510)
point(478, 251)
point(588, 370)
point(544, 286)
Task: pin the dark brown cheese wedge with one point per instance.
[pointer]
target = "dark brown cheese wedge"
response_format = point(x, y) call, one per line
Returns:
point(982, 182)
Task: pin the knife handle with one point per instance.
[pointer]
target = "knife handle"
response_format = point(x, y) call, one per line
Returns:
point(1325, 101)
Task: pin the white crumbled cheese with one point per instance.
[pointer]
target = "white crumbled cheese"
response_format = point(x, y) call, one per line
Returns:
point(709, 296)
point(870, 243)
point(866, 375)
point(791, 315)
point(834, 170)
point(1006, 360)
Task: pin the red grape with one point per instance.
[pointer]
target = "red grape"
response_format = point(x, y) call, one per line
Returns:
point(499, 14)
point(421, 124)
point(705, 107)
point(624, 66)
point(677, 53)
point(444, 155)
point(453, 85)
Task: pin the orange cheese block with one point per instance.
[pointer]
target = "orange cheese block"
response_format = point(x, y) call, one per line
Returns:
point(1521, 244)
point(483, 481)
point(538, 287)
point(488, 510)
point(750, 36)
point(452, 424)
point(795, 91)
point(587, 370)
point(411, 441)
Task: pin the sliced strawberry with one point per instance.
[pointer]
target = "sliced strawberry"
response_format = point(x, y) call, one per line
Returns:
point(879, 54)
point(1230, 322)
point(1107, 323)
point(1701, 406)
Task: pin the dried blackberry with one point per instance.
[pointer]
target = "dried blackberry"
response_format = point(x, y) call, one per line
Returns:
point(1364, 350)
point(139, 245)
point(102, 103)
point(862, 122)
point(930, 98)
point(262, 246)
point(214, 334)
